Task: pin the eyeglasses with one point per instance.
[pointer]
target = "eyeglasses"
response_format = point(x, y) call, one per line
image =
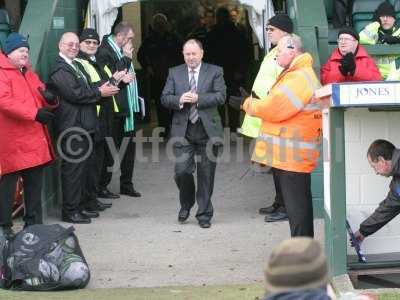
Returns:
point(94, 43)
point(341, 40)
point(72, 45)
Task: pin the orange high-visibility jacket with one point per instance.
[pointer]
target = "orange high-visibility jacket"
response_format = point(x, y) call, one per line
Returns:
point(291, 127)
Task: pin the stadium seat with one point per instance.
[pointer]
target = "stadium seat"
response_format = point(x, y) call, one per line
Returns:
point(4, 26)
point(329, 9)
point(363, 13)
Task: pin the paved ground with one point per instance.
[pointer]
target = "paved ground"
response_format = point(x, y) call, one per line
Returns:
point(139, 243)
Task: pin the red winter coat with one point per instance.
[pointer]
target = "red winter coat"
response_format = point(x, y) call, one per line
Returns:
point(366, 69)
point(24, 142)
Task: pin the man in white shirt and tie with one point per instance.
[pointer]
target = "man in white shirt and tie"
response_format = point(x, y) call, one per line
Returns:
point(193, 92)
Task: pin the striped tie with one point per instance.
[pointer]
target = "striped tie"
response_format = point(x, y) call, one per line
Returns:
point(193, 113)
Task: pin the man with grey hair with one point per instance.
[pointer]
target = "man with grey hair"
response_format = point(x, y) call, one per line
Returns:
point(193, 92)
point(76, 124)
point(290, 132)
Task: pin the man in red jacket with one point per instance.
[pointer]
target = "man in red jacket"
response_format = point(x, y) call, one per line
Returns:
point(349, 61)
point(24, 139)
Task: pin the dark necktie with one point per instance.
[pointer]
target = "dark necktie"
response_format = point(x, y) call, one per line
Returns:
point(193, 113)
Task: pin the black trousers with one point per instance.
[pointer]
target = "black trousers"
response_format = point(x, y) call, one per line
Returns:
point(278, 193)
point(164, 115)
point(127, 161)
point(90, 188)
point(185, 166)
point(77, 157)
point(296, 193)
point(33, 182)
point(341, 10)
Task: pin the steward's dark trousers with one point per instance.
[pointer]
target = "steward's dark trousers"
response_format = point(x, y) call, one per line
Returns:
point(77, 153)
point(296, 194)
point(32, 183)
point(120, 137)
point(278, 193)
point(185, 166)
point(90, 188)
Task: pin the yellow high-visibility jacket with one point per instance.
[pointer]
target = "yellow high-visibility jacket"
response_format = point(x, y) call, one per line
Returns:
point(266, 77)
point(369, 36)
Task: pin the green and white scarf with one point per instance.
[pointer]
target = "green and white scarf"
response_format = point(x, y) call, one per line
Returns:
point(132, 90)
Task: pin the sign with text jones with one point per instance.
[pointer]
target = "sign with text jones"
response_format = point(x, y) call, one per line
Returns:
point(366, 93)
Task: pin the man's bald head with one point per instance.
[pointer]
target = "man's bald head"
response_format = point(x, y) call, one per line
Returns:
point(69, 45)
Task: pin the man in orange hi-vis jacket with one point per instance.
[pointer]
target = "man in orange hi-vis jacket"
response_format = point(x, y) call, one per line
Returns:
point(290, 132)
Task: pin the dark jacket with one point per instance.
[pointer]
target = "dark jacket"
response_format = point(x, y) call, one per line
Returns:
point(388, 208)
point(106, 56)
point(78, 99)
point(314, 294)
point(366, 69)
point(161, 52)
point(211, 90)
point(105, 113)
point(227, 47)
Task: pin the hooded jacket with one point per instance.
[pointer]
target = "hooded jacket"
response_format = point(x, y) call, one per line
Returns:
point(366, 69)
point(25, 143)
point(291, 126)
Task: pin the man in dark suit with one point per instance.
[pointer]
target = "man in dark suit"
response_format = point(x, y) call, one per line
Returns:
point(115, 52)
point(193, 92)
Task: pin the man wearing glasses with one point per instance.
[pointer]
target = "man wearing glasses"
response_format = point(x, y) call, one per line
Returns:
point(383, 30)
point(349, 61)
point(278, 27)
point(89, 43)
point(76, 124)
point(290, 132)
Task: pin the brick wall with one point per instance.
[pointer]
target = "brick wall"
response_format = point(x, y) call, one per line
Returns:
point(364, 189)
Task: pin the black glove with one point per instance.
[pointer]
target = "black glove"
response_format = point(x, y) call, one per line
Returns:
point(348, 65)
point(243, 92)
point(48, 95)
point(44, 115)
point(390, 39)
point(236, 101)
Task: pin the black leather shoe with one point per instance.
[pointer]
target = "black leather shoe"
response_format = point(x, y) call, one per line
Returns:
point(76, 218)
point(205, 224)
point(183, 215)
point(267, 210)
point(276, 217)
point(105, 193)
point(130, 192)
point(102, 204)
point(90, 213)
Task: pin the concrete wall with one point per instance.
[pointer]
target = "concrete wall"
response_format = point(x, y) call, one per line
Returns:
point(364, 189)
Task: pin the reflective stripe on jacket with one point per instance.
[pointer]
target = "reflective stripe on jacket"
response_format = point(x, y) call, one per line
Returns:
point(291, 127)
point(369, 36)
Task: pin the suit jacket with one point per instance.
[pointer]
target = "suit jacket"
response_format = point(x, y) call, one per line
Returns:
point(106, 56)
point(211, 90)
